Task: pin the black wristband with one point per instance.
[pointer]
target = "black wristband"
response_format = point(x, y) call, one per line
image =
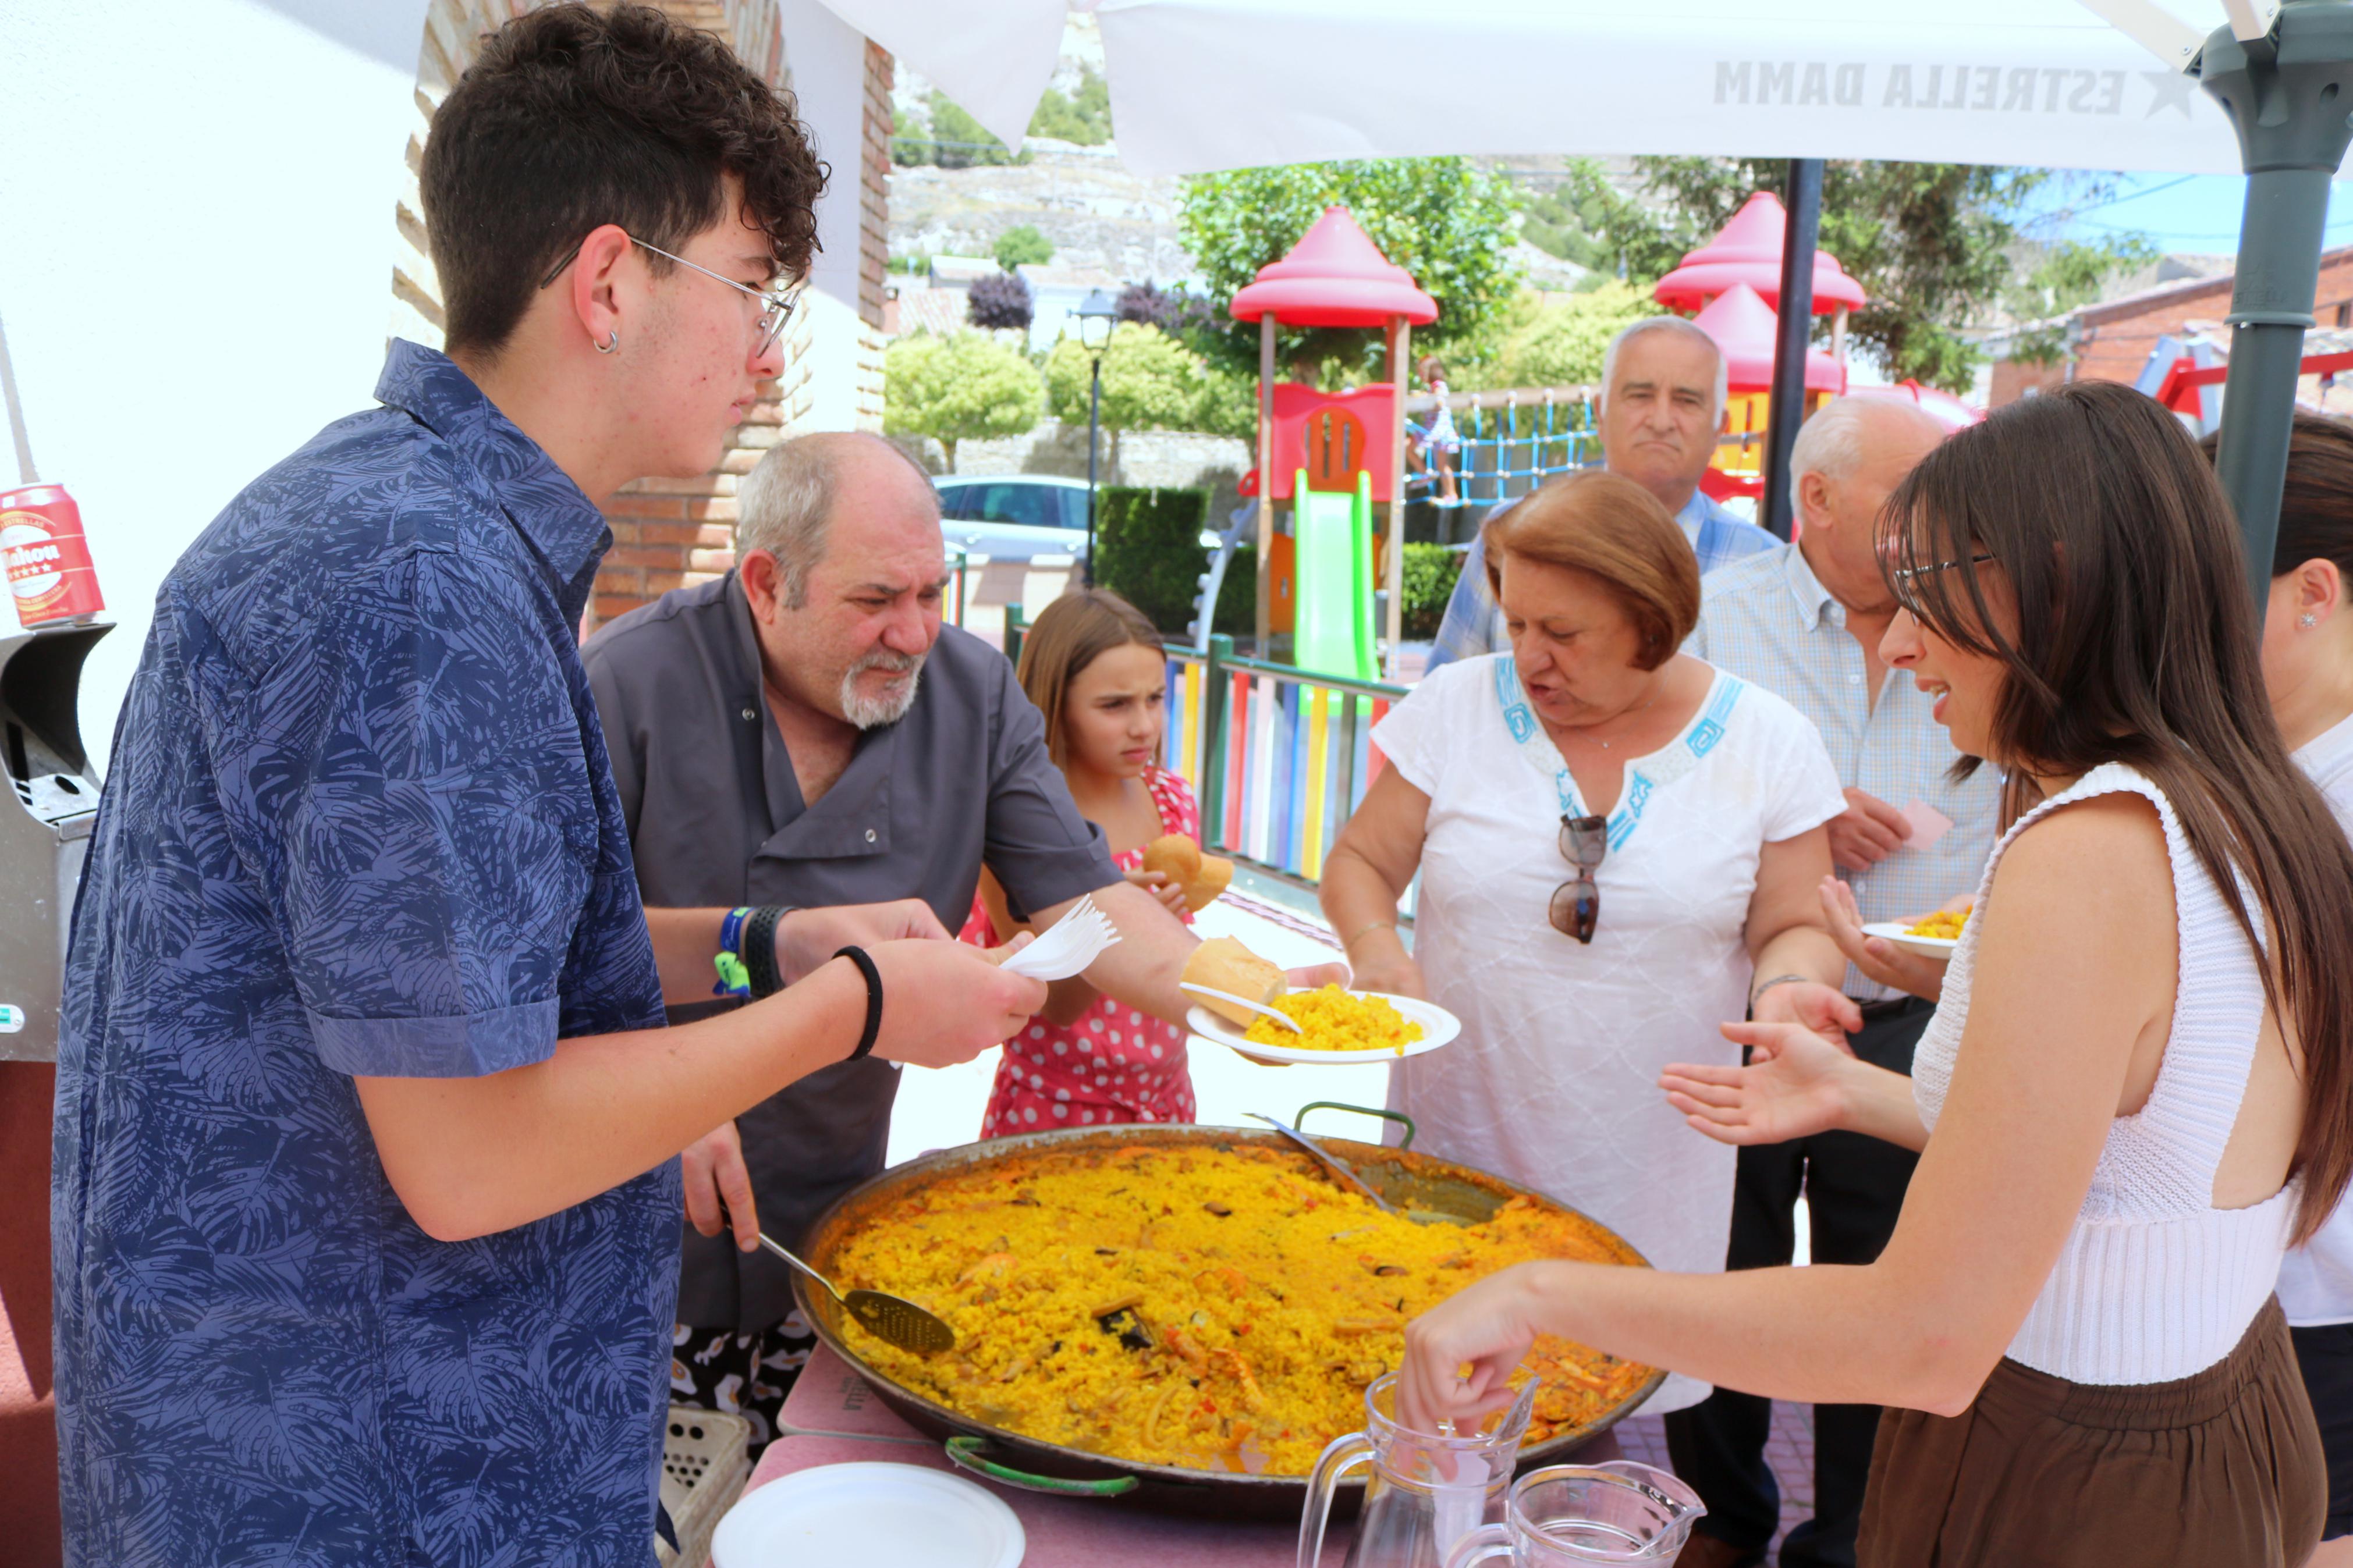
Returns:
point(858, 956)
point(759, 954)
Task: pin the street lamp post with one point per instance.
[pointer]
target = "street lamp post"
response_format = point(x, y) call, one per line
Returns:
point(1096, 319)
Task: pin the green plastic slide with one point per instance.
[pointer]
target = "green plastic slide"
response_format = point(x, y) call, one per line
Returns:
point(1333, 634)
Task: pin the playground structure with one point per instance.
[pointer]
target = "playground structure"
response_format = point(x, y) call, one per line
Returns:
point(1339, 463)
point(2187, 376)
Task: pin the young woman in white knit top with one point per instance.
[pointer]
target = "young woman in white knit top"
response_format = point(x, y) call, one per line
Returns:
point(2137, 1102)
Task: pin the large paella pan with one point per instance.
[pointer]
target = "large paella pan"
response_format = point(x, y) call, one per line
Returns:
point(906, 1230)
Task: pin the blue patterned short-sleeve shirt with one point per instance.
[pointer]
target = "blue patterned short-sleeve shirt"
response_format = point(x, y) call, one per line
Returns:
point(360, 822)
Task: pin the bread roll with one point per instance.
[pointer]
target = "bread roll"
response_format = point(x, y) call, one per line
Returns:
point(1176, 855)
point(1224, 965)
point(1217, 874)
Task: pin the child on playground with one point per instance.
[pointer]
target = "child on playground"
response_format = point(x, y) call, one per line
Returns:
point(1437, 441)
point(1093, 665)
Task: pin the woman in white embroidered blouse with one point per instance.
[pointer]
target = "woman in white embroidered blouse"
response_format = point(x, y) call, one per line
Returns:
point(1698, 802)
point(2136, 1107)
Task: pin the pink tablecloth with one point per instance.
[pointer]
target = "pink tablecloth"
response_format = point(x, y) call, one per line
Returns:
point(833, 1417)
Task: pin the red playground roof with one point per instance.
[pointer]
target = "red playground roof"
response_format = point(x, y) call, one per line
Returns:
point(1748, 250)
point(1334, 277)
point(1743, 326)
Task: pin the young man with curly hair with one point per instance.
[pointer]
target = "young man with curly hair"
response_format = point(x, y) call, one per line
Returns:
point(367, 1199)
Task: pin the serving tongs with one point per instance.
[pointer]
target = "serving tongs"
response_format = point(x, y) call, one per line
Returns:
point(892, 1319)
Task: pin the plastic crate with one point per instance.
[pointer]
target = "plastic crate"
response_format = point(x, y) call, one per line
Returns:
point(706, 1460)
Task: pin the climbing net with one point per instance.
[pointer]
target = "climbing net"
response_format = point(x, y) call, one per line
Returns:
point(1506, 451)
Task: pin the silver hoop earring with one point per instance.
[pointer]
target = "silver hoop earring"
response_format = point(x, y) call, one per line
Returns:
point(612, 341)
point(2307, 622)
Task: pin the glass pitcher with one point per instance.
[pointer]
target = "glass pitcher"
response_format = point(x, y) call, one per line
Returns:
point(1427, 1491)
point(1617, 1511)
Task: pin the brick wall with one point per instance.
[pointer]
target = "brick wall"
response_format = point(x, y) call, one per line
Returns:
point(2113, 340)
point(669, 533)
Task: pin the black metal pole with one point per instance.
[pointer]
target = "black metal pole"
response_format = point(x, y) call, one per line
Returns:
point(1094, 420)
point(2286, 96)
point(1795, 330)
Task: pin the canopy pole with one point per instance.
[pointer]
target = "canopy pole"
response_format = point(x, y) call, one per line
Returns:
point(1792, 331)
point(2285, 95)
point(1393, 557)
point(1265, 648)
point(1837, 345)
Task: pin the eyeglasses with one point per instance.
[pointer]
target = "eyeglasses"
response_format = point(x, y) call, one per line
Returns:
point(1907, 575)
point(1906, 579)
point(1577, 903)
point(776, 308)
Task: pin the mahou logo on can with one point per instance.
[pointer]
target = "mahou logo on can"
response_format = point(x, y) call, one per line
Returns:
point(47, 559)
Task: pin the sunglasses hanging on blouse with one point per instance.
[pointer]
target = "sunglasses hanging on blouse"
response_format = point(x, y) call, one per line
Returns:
point(1577, 903)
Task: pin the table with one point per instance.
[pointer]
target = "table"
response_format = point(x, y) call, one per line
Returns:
point(834, 1416)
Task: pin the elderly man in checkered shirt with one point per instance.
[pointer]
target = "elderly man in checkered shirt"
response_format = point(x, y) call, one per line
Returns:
point(1663, 393)
point(1804, 620)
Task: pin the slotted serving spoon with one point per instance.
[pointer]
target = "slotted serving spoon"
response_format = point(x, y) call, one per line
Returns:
point(890, 1317)
point(1330, 1162)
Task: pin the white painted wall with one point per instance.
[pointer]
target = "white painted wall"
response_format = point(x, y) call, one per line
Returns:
point(825, 59)
point(196, 203)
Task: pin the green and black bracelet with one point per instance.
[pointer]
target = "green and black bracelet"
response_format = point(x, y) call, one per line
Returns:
point(760, 950)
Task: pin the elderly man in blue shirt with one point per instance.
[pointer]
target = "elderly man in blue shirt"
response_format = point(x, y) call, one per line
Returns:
point(1662, 395)
point(1804, 621)
point(365, 1201)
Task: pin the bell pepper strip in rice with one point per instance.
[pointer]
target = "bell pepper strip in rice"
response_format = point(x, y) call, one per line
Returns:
point(1214, 1309)
point(1332, 1019)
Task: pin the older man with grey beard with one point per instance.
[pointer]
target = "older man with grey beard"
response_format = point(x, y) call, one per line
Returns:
point(805, 733)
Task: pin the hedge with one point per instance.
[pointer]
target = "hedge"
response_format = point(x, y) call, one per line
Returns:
point(1148, 550)
point(1429, 574)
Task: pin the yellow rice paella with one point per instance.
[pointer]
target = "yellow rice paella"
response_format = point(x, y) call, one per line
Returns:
point(1191, 1305)
point(1333, 1020)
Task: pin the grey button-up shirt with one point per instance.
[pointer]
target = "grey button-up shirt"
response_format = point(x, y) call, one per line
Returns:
point(715, 817)
point(1768, 619)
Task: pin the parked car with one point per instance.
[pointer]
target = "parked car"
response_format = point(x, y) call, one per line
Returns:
point(1014, 517)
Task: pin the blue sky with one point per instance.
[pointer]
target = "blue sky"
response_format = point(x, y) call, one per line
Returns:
point(2193, 212)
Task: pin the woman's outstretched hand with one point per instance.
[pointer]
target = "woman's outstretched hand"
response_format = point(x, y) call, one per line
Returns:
point(1793, 1087)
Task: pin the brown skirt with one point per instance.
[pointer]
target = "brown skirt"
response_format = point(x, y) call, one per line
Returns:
point(2220, 1470)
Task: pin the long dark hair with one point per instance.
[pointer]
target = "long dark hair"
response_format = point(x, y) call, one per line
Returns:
point(2315, 521)
point(2137, 644)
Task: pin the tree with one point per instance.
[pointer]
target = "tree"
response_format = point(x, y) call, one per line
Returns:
point(1150, 381)
point(999, 300)
point(1022, 245)
point(911, 140)
point(1173, 310)
point(2065, 278)
point(1931, 244)
point(1563, 344)
point(1084, 117)
point(958, 389)
point(1445, 222)
point(960, 141)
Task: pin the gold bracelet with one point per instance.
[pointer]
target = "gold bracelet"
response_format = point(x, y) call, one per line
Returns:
point(1376, 925)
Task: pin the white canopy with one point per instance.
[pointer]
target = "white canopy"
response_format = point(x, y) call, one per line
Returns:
point(1221, 84)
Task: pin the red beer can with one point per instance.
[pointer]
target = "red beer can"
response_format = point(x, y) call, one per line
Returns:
point(47, 559)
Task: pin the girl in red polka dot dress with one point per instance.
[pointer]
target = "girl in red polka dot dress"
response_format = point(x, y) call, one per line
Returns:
point(1093, 665)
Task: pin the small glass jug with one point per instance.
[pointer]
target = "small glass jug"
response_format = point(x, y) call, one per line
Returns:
point(1427, 1491)
point(1617, 1511)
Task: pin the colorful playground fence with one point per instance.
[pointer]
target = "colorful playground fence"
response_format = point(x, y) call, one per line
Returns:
point(1278, 757)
